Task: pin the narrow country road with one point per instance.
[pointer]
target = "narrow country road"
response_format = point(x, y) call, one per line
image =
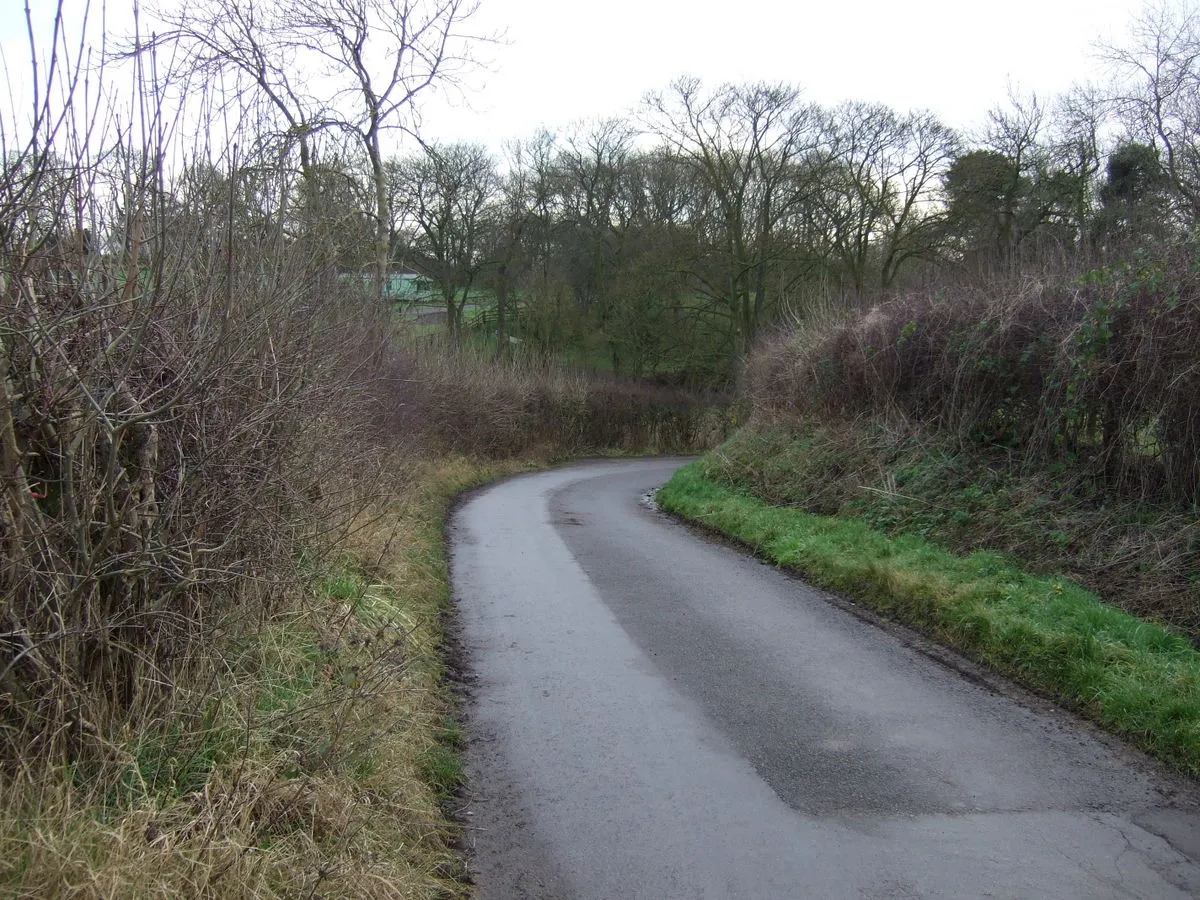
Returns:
point(654, 715)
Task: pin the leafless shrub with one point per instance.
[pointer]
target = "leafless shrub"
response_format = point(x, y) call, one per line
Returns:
point(169, 363)
point(1095, 368)
point(463, 399)
point(193, 397)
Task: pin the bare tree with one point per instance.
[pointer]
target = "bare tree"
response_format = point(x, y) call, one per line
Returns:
point(1077, 151)
point(876, 197)
point(592, 168)
point(522, 192)
point(445, 193)
point(745, 144)
point(250, 41)
point(351, 67)
point(1157, 92)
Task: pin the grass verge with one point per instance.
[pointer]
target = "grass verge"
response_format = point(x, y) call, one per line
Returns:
point(1136, 678)
point(1138, 555)
point(319, 754)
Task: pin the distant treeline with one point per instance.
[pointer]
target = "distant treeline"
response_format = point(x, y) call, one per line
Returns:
point(673, 237)
point(664, 242)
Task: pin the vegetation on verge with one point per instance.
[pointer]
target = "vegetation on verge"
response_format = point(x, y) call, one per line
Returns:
point(1139, 679)
point(222, 474)
point(1055, 418)
point(222, 484)
point(900, 478)
point(298, 766)
point(308, 746)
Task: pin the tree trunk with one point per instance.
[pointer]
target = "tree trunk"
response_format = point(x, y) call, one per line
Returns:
point(383, 249)
point(760, 293)
point(451, 313)
point(501, 310)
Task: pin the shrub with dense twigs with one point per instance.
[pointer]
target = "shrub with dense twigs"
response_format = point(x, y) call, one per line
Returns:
point(160, 405)
point(463, 399)
point(205, 688)
point(1098, 370)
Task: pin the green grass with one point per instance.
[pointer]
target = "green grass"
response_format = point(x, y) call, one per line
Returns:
point(1138, 555)
point(1136, 678)
point(346, 586)
point(315, 762)
point(441, 762)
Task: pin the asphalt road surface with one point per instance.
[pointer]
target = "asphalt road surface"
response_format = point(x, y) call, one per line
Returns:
point(656, 715)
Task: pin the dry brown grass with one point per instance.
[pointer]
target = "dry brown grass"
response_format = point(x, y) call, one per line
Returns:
point(462, 399)
point(222, 581)
point(308, 773)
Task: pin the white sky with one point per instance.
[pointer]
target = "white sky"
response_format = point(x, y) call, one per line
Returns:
point(567, 60)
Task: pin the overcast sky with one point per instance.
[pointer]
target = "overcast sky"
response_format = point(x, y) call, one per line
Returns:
point(567, 60)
